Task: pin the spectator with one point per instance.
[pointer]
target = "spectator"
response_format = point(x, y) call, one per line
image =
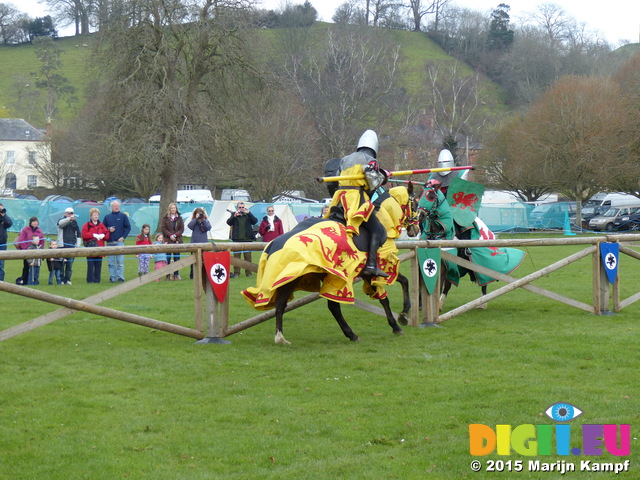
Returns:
point(271, 226)
point(54, 265)
point(172, 230)
point(118, 225)
point(144, 258)
point(241, 222)
point(5, 224)
point(34, 263)
point(94, 234)
point(23, 241)
point(69, 236)
point(160, 258)
point(200, 227)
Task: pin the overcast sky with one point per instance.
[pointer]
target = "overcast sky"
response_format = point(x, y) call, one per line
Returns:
point(614, 20)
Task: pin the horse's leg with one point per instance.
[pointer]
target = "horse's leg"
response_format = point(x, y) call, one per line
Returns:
point(392, 321)
point(282, 298)
point(403, 317)
point(446, 286)
point(484, 292)
point(336, 311)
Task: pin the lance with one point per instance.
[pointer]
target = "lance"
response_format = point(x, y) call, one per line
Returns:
point(396, 173)
point(393, 180)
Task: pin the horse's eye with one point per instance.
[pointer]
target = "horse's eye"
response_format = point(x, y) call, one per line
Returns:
point(431, 196)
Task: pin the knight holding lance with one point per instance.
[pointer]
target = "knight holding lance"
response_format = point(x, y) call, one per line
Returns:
point(352, 201)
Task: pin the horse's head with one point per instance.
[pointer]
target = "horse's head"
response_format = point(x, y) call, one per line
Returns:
point(404, 197)
point(427, 210)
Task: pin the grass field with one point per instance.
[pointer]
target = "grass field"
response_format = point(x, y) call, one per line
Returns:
point(88, 397)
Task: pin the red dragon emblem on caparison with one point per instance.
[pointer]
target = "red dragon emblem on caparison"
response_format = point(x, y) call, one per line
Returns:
point(465, 200)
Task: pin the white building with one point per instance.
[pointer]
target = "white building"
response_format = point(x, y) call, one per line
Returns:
point(21, 149)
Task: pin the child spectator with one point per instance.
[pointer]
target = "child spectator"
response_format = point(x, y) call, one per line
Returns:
point(160, 258)
point(34, 263)
point(55, 266)
point(144, 258)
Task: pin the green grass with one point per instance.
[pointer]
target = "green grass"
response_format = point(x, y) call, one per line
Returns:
point(19, 63)
point(88, 397)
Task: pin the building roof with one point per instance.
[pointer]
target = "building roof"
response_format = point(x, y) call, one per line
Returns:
point(17, 130)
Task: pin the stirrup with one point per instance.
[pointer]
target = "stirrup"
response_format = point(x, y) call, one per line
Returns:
point(370, 271)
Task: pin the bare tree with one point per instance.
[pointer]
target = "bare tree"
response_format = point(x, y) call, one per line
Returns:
point(456, 101)
point(574, 134)
point(345, 86)
point(167, 85)
point(11, 21)
point(80, 13)
point(418, 9)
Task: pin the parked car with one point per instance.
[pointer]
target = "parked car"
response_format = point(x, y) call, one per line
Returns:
point(607, 220)
point(590, 212)
point(552, 215)
point(628, 222)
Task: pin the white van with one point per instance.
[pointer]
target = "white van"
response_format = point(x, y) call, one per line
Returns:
point(235, 194)
point(603, 199)
point(188, 196)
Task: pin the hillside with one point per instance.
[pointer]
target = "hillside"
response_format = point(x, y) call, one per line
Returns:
point(19, 62)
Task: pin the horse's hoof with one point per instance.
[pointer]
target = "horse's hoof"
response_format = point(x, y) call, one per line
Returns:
point(281, 340)
point(355, 338)
point(403, 320)
point(398, 332)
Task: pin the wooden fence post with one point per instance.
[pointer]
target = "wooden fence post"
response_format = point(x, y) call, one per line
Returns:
point(414, 290)
point(600, 284)
point(217, 318)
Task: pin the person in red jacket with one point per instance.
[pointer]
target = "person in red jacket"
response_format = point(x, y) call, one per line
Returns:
point(94, 234)
point(271, 226)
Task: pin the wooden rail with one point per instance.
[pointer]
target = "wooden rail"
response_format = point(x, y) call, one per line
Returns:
point(213, 321)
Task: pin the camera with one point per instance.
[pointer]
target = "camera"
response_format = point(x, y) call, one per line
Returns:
point(3, 211)
point(199, 215)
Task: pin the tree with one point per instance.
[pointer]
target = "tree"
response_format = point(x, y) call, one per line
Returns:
point(303, 15)
point(55, 85)
point(345, 87)
point(507, 165)
point(168, 89)
point(80, 13)
point(42, 27)
point(626, 171)
point(418, 9)
point(456, 101)
point(11, 21)
point(573, 134)
point(500, 35)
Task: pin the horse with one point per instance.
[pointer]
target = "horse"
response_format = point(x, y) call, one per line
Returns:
point(437, 223)
point(320, 255)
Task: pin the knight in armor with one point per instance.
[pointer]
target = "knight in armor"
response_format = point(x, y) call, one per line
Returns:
point(352, 201)
point(445, 160)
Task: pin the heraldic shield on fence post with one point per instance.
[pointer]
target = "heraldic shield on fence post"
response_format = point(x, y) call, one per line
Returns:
point(429, 259)
point(217, 266)
point(610, 254)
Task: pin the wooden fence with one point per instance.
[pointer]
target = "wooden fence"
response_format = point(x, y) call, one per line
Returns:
point(211, 318)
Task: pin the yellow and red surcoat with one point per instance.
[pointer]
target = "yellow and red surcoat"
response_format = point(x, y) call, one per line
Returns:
point(352, 197)
point(322, 256)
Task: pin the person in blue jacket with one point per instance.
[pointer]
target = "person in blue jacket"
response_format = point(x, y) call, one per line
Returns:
point(119, 227)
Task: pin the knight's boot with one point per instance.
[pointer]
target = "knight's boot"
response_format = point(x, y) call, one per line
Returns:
point(371, 268)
